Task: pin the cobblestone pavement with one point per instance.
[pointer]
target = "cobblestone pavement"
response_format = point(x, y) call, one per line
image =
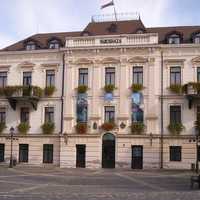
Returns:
point(26, 183)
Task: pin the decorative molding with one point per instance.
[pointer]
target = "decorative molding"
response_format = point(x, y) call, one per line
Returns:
point(174, 61)
point(27, 65)
point(68, 117)
point(83, 61)
point(53, 65)
point(110, 60)
point(196, 60)
point(138, 59)
point(5, 67)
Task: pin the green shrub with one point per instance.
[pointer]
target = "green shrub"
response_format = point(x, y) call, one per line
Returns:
point(37, 91)
point(49, 90)
point(10, 90)
point(23, 128)
point(176, 88)
point(82, 89)
point(175, 128)
point(137, 87)
point(48, 128)
point(109, 88)
point(2, 127)
point(137, 128)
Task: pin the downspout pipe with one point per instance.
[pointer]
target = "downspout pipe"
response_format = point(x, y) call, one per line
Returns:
point(62, 95)
point(162, 112)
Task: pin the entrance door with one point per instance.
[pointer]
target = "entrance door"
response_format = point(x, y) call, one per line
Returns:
point(2, 150)
point(23, 153)
point(137, 157)
point(80, 156)
point(108, 151)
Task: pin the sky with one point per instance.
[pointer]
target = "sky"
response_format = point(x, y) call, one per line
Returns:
point(20, 19)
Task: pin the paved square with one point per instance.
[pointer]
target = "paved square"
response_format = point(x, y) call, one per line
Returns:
point(26, 183)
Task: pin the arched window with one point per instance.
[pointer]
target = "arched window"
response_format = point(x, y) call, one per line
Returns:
point(30, 46)
point(140, 31)
point(196, 38)
point(54, 44)
point(174, 39)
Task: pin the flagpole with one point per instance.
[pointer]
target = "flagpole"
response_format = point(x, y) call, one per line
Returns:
point(115, 13)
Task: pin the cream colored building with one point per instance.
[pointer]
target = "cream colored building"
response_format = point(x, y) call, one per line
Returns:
point(105, 53)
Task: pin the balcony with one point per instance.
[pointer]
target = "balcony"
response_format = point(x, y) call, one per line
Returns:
point(192, 92)
point(22, 94)
point(114, 40)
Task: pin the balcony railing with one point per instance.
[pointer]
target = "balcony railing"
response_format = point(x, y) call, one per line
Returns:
point(27, 94)
point(115, 40)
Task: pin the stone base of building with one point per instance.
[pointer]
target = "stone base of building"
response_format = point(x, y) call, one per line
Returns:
point(93, 151)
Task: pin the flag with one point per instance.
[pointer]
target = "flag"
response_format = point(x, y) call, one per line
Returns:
point(111, 3)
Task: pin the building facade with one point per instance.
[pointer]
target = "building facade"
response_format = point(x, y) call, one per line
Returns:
point(113, 95)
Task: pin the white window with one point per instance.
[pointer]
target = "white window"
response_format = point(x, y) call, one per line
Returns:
point(30, 46)
point(197, 38)
point(174, 39)
point(54, 44)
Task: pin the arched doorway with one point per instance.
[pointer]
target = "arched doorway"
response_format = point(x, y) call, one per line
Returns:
point(108, 151)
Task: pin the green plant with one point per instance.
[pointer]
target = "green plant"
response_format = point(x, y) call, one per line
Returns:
point(2, 127)
point(175, 128)
point(37, 91)
point(81, 127)
point(195, 86)
point(23, 128)
point(176, 88)
point(137, 128)
point(48, 128)
point(26, 90)
point(82, 89)
point(49, 90)
point(109, 88)
point(1, 91)
point(136, 87)
point(108, 126)
point(10, 90)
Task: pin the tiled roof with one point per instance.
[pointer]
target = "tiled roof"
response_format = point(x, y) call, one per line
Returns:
point(42, 40)
point(108, 28)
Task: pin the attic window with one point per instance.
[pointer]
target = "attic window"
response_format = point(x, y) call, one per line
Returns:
point(196, 39)
point(174, 39)
point(112, 28)
point(30, 46)
point(85, 33)
point(54, 44)
point(140, 31)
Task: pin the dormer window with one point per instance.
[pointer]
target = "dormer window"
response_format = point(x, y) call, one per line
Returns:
point(140, 31)
point(30, 46)
point(112, 28)
point(54, 44)
point(197, 38)
point(174, 39)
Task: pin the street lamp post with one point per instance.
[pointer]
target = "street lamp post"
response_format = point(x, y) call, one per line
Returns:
point(11, 146)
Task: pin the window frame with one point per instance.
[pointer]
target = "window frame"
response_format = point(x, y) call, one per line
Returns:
point(24, 115)
point(50, 78)
point(196, 39)
point(110, 76)
point(177, 150)
point(83, 77)
point(109, 115)
point(27, 80)
point(49, 116)
point(174, 39)
point(30, 46)
point(54, 44)
point(4, 79)
point(175, 73)
point(139, 73)
point(175, 119)
point(2, 115)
